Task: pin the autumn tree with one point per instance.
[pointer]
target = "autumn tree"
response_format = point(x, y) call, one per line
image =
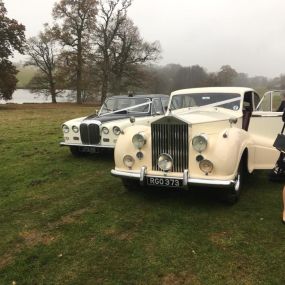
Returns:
point(43, 52)
point(76, 20)
point(12, 35)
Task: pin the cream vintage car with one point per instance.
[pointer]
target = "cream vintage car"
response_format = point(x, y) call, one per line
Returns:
point(209, 137)
point(100, 131)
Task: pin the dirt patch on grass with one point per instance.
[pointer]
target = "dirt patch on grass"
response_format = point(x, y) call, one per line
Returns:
point(30, 238)
point(71, 218)
point(34, 237)
point(183, 278)
point(7, 259)
point(221, 239)
point(120, 235)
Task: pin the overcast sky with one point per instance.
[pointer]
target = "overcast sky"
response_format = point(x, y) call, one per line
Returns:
point(249, 35)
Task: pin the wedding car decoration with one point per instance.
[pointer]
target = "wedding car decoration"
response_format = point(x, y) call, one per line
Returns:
point(100, 131)
point(209, 137)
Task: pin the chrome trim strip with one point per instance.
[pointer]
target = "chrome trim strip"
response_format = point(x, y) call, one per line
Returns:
point(212, 182)
point(85, 145)
point(125, 174)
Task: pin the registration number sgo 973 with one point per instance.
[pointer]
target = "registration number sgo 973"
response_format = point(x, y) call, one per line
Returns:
point(167, 182)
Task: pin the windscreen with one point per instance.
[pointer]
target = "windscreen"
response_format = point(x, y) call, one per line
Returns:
point(225, 100)
point(126, 105)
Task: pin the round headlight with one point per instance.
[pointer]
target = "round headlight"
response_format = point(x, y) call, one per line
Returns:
point(116, 130)
point(75, 129)
point(128, 161)
point(105, 131)
point(139, 140)
point(165, 162)
point(206, 166)
point(65, 129)
point(200, 143)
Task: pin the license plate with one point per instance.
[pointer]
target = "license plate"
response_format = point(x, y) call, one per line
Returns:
point(167, 182)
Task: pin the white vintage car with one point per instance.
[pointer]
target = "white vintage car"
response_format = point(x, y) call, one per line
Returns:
point(209, 137)
point(100, 131)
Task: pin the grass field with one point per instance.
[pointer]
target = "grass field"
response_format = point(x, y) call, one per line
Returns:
point(66, 220)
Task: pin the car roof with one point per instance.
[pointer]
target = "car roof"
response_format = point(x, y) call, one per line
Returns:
point(239, 90)
point(140, 96)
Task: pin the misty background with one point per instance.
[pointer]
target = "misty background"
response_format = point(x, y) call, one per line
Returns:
point(203, 43)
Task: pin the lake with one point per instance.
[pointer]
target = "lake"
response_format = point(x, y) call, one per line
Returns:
point(21, 96)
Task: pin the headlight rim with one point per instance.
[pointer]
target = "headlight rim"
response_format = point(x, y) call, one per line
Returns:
point(75, 127)
point(171, 161)
point(65, 129)
point(205, 138)
point(131, 159)
point(103, 130)
point(137, 144)
point(119, 131)
point(209, 162)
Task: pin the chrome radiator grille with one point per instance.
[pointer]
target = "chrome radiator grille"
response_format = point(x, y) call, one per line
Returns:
point(90, 134)
point(173, 140)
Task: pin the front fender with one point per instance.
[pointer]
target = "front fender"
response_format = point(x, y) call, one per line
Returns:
point(124, 146)
point(225, 152)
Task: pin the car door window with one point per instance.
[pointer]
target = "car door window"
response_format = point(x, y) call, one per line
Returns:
point(157, 107)
point(265, 104)
point(256, 99)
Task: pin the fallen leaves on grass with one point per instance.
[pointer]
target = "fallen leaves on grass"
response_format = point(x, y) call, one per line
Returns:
point(34, 237)
point(183, 278)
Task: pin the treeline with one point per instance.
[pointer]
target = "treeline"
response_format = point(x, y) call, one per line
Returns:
point(93, 47)
point(173, 76)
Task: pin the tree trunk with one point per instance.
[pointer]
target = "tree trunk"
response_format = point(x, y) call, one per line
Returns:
point(79, 73)
point(104, 88)
point(52, 88)
point(105, 79)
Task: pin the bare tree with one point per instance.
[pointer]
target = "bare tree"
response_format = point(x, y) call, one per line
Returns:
point(112, 14)
point(130, 51)
point(76, 21)
point(43, 54)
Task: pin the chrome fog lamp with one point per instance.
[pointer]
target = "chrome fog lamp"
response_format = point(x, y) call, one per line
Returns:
point(65, 129)
point(206, 166)
point(105, 131)
point(116, 130)
point(75, 129)
point(165, 162)
point(200, 143)
point(139, 140)
point(128, 161)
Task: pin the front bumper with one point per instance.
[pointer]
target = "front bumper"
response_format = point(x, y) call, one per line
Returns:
point(87, 146)
point(186, 180)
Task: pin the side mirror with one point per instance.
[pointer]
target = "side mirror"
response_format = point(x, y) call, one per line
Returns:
point(132, 119)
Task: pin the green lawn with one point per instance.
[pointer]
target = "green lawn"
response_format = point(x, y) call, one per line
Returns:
point(66, 220)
